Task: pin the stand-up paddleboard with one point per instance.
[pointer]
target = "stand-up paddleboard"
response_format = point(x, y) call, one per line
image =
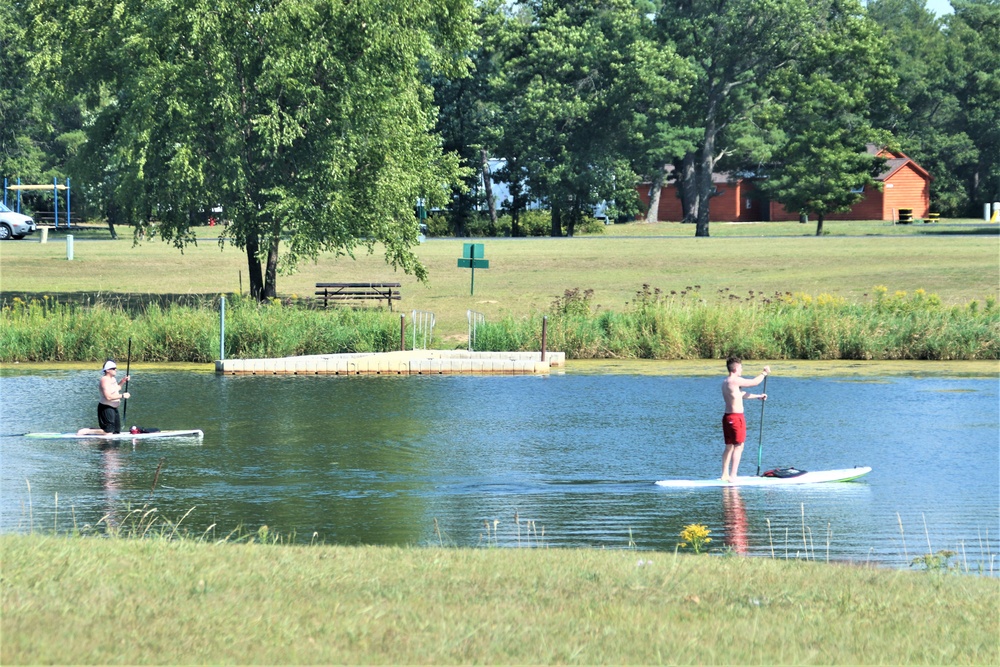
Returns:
point(124, 435)
point(817, 477)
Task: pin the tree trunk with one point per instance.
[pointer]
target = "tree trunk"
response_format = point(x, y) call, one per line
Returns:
point(556, 229)
point(112, 213)
point(516, 205)
point(488, 186)
point(703, 177)
point(574, 214)
point(705, 167)
point(271, 278)
point(687, 189)
point(819, 224)
point(655, 190)
point(253, 266)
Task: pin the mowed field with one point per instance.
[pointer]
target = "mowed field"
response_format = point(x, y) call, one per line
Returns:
point(959, 263)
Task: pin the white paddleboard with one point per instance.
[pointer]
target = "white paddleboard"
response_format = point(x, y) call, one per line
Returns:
point(817, 477)
point(124, 435)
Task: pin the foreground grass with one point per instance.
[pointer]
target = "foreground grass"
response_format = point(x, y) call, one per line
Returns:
point(156, 601)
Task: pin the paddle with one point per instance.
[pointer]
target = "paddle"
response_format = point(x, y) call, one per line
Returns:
point(128, 364)
point(760, 437)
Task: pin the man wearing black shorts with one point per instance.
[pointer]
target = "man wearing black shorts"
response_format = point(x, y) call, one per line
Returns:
point(107, 407)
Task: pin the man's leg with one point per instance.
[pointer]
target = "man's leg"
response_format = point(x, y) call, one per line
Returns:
point(726, 457)
point(737, 455)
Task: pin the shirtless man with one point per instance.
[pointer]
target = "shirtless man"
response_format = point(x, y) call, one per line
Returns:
point(734, 425)
point(107, 407)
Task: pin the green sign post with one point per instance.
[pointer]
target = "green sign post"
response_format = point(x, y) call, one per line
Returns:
point(473, 258)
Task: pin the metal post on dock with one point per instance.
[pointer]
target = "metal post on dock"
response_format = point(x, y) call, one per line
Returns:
point(222, 328)
point(545, 333)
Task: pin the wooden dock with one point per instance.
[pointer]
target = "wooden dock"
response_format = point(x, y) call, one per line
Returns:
point(410, 362)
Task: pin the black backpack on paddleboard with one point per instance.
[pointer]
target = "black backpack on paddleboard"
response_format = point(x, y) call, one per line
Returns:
point(784, 472)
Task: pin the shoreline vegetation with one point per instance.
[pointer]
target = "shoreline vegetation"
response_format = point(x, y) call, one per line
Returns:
point(678, 325)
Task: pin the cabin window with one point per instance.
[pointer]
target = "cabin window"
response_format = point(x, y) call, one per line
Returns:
point(858, 190)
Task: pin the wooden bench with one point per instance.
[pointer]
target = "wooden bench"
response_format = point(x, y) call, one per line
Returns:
point(358, 292)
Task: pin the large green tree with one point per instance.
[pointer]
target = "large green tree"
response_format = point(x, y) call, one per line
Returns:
point(975, 29)
point(469, 121)
point(823, 119)
point(39, 133)
point(734, 46)
point(19, 153)
point(931, 127)
point(741, 50)
point(582, 84)
point(949, 78)
point(309, 122)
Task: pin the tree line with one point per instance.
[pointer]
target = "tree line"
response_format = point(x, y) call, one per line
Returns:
point(317, 124)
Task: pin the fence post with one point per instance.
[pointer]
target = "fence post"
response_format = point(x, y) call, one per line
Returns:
point(402, 332)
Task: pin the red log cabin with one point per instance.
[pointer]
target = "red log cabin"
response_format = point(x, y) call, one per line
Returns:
point(905, 184)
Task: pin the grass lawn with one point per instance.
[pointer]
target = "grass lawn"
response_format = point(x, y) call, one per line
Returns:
point(153, 601)
point(959, 262)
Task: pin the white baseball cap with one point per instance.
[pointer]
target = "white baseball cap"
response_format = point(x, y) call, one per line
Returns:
point(108, 365)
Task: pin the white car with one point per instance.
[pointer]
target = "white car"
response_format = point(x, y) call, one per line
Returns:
point(15, 225)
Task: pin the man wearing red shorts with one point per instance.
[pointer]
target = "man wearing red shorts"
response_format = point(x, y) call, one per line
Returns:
point(734, 425)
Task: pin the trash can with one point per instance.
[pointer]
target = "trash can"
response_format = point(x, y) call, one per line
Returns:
point(905, 216)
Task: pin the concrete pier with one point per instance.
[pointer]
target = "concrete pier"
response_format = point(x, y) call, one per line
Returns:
point(410, 362)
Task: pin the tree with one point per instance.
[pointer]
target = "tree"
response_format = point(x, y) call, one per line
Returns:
point(468, 121)
point(948, 72)
point(975, 30)
point(39, 133)
point(582, 85)
point(308, 121)
point(733, 45)
point(825, 108)
point(740, 50)
point(20, 154)
point(931, 127)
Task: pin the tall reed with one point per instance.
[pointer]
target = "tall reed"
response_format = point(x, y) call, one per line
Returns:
point(689, 325)
point(44, 330)
point(655, 325)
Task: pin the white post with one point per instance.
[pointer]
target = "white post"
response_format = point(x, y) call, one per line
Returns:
point(69, 247)
point(222, 328)
point(986, 211)
point(45, 234)
point(996, 212)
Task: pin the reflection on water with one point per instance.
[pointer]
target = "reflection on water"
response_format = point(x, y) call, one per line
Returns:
point(567, 459)
point(111, 471)
point(735, 521)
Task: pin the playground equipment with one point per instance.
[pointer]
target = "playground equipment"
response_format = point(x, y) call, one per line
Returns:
point(55, 187)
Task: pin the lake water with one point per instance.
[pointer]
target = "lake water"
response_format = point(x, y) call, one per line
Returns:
point(559, 461)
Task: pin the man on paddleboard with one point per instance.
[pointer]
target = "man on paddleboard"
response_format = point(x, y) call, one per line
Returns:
point(734, 425)
point(107, 407)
